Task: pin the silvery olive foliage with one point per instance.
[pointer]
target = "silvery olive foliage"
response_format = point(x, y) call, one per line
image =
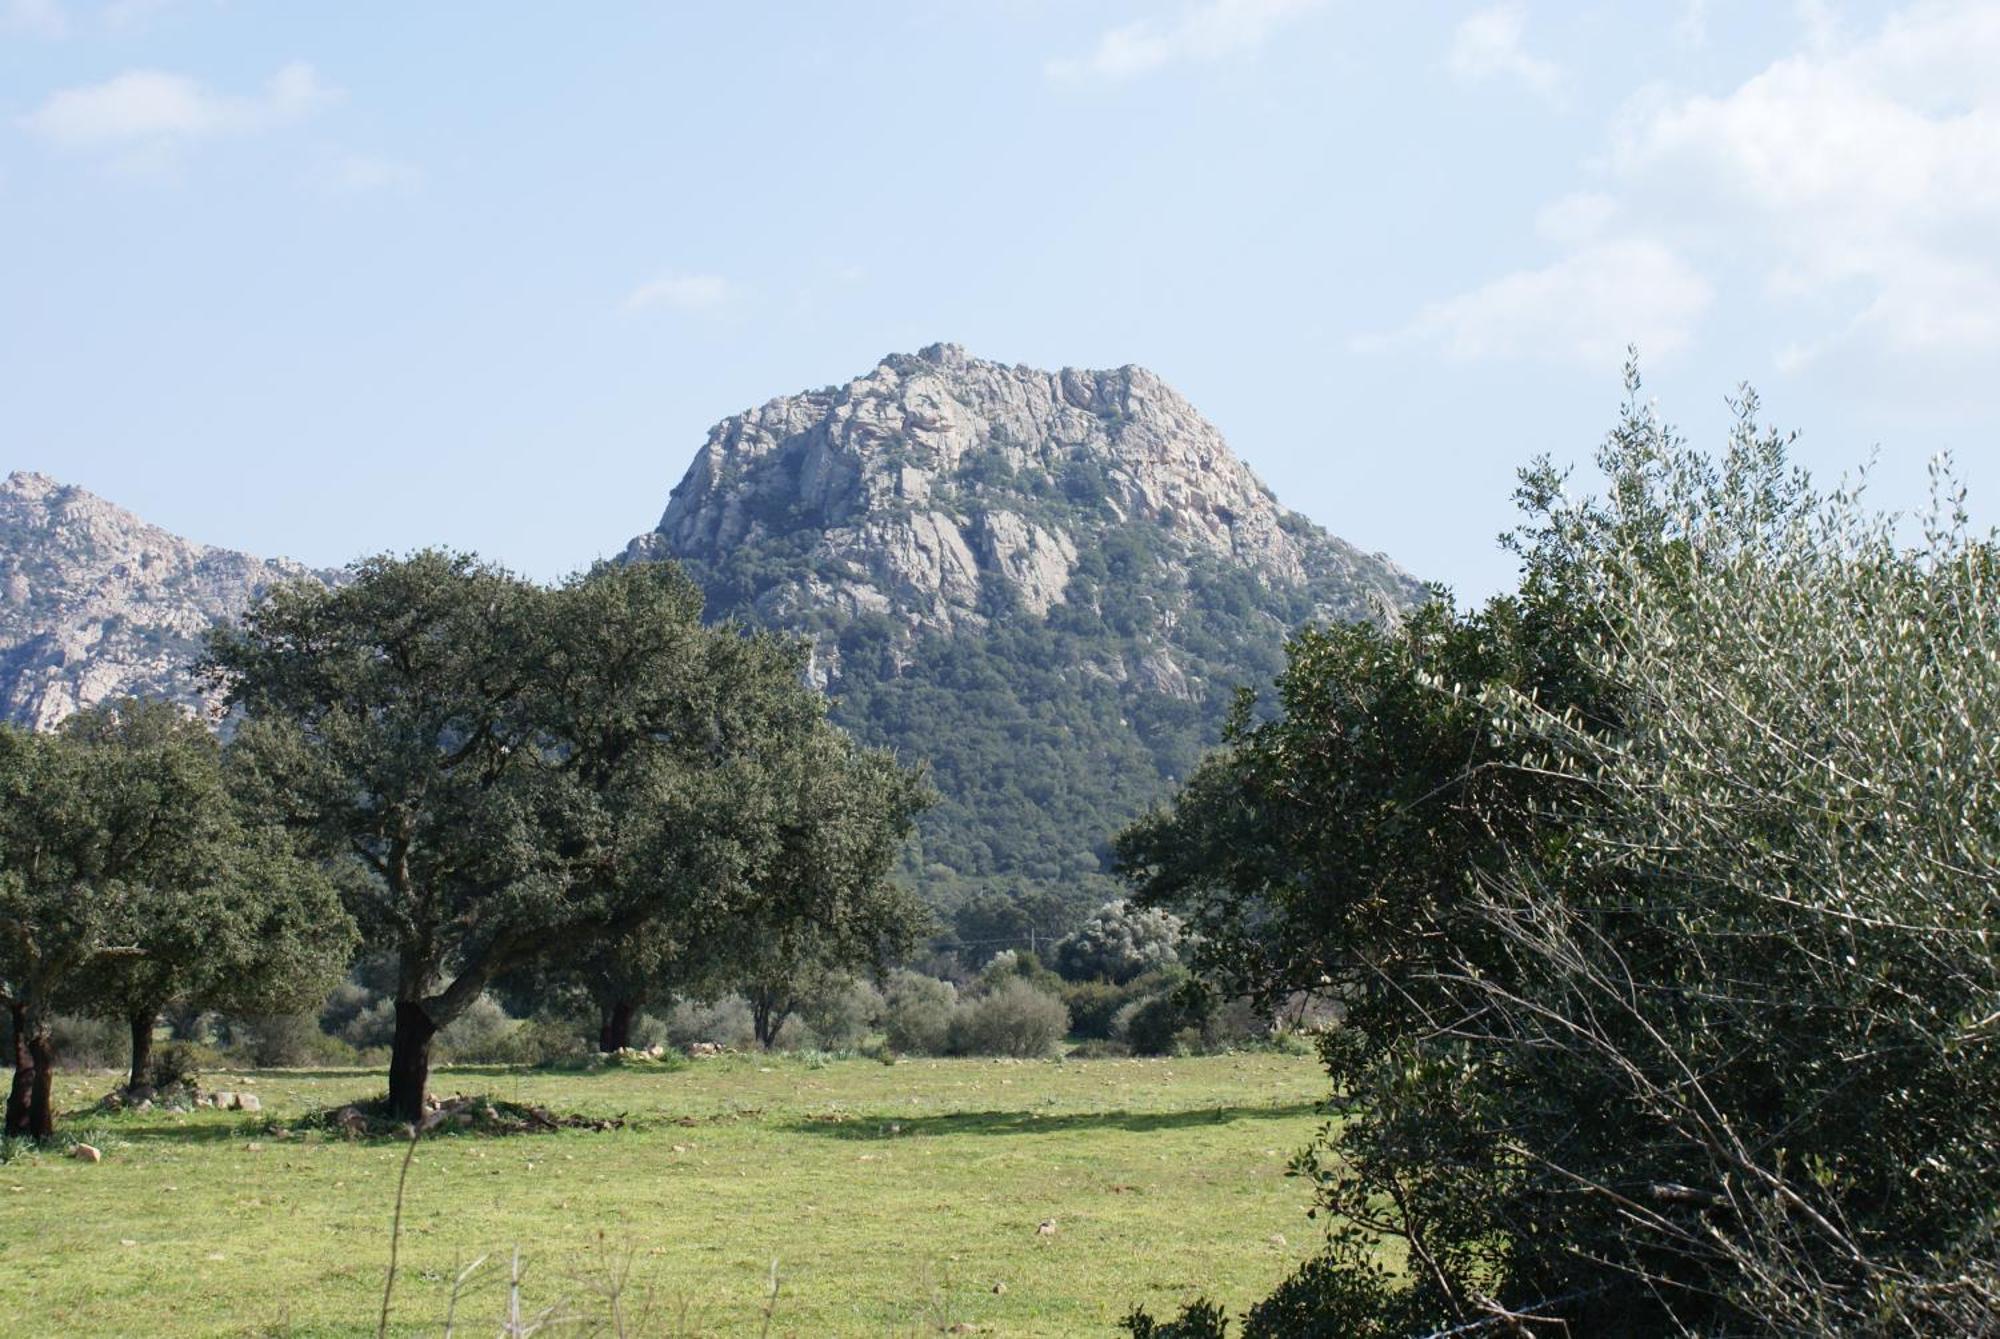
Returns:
point(1765, 943)
point(1672, 1003)
point(1121, 940)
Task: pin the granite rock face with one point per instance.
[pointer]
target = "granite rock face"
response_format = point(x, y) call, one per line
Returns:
point(943, 490)
point(97, 604)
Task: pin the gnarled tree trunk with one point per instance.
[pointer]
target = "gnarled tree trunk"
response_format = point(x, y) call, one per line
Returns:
point(615, 1032)
point(142, 1048)
point(20, 1097)
point(41, 1110)
point(410, 1061)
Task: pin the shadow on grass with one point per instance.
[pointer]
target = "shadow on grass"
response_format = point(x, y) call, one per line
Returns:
point(876, 1126)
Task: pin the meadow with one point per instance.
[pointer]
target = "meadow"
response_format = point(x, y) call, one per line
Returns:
point(894, 1200)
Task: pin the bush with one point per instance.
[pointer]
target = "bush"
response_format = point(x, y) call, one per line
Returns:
point(371, 1026)
point(347, 1002)
point(1094, 1048)
point(89, 1043)
point(1011, 1019)
point(1021, 964)
point(1093, 1007)
point(482, 1035)
point(839, 1017)
point(725, 1022)
point(918, 1015)
point(175, 1065)
point(1120, 941)
point(547, 1040)
point(285, 1041)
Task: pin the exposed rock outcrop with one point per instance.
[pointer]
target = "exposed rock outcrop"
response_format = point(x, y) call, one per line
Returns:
point(96, 604)
point(918, 487)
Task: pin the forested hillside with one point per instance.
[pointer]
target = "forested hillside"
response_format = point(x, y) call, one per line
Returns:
point(1047, 585)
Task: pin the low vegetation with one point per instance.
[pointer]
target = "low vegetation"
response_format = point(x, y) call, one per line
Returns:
point(895, 1200)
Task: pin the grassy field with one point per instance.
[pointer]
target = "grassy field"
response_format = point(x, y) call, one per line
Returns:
point(896, 1200)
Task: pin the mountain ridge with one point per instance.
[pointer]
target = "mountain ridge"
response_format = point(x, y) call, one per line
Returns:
point(97, 603)
point(1049, 585)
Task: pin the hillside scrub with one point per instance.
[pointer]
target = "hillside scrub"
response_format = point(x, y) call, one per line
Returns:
point(1660, 895)
point(1012, 1018)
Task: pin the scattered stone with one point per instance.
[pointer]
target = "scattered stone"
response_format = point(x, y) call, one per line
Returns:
point(703, 1050)
point(248, 1102)
point(1278, 1239)
point(222, 1101)
point(999, 1290)
point(1047, 1229)
point(87, 1153)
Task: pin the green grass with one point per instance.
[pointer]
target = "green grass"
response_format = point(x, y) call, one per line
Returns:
point(894, 1199)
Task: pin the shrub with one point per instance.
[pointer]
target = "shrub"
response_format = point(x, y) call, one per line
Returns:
point(918, 1015)
point(89, 1043)
point(482, 1035)
point(371, 1026)
point(285, 1041)
point(1120, 941)
point(1094, 1048)
point(1023, 965)
point(1093, 1006)
point(839, 1017)
point(349, 1001)
point(546, 1040)
point(725, 1022)
point(1011, 1019)
point(175, 1065)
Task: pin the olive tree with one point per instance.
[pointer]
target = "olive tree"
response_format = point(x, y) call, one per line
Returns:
point(1659, 897)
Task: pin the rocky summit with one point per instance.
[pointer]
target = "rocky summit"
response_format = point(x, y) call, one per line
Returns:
point(97, 604)
point(1048, 584)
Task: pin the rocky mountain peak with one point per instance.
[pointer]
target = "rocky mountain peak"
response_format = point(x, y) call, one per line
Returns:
point(938, 487)
point(95, 603)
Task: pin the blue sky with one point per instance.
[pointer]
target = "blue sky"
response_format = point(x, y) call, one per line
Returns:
point(327, 280)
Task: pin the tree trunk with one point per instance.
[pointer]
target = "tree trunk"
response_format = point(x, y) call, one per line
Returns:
point(20, 1096)
point(410, 1061)
point(41, 1110)
point(142, 1048)
point(616, 1032)
point(768, 1013)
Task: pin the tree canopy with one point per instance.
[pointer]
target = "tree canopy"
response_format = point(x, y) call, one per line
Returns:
point(517, 768)
point(127, 878)
point(1659, 897)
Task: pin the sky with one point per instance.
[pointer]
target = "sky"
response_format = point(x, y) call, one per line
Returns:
point(329, 280)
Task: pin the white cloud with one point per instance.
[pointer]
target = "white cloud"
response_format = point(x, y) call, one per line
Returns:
point(682, 292)
point(363, 174)
point(1585, 308)
point(1575, 218)
point(37, 18)
point(151, 108)
point(1488, 44)
point(132, 16)
point(1207, 31)
point(1691, 28)
point(1858, 179)
point(1860, 176)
